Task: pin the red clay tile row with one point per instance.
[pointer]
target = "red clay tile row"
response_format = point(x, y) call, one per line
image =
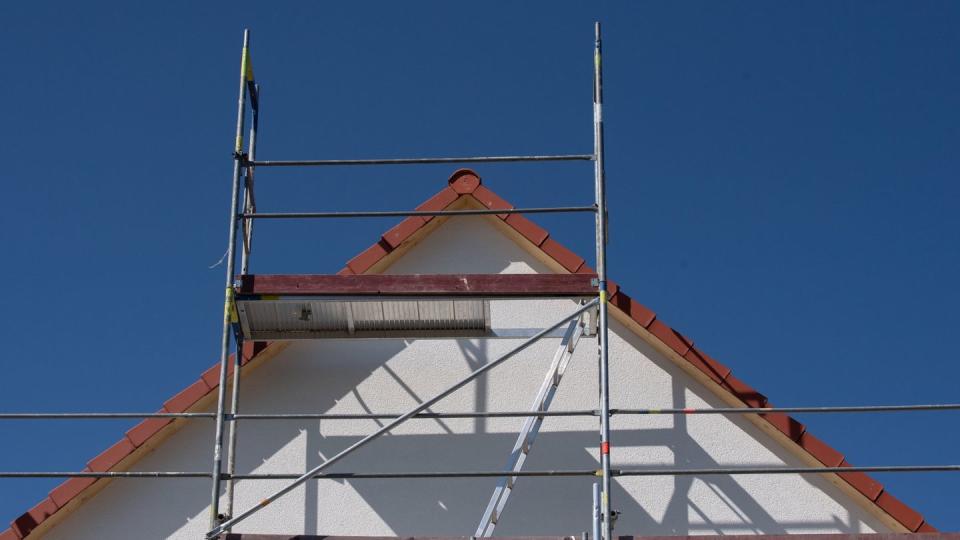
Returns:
point(794, 430)
point(465, 182)
point(134, 438)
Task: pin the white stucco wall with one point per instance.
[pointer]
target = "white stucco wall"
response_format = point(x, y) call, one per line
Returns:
point(392, 375)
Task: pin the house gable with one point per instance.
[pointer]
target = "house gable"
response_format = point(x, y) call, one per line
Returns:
point(663, 357)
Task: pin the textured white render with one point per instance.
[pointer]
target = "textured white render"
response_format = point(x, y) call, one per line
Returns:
point(393, 375)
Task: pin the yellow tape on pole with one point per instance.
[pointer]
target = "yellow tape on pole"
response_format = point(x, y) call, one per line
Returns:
point(246, 65)
point(230, 307)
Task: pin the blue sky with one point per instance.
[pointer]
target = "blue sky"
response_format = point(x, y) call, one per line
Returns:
point(782, 188)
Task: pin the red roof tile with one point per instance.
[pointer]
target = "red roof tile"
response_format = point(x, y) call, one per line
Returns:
point(139, 433)
point(899, 511)
point(31, 518)
point(745, 392)
point(530, 230)
point(111, 456)
point(567, 259)
point(441, 200)
point(637, 311)
point(211, 377)
point(466, 183)
point(491, 200)
point(820, 450)
point(867, 486)
point(785, 424)
point(187, 397)
point(713, 369)
point(670, 337)
point(62, 494)
point(401, 231)
point(362, 262)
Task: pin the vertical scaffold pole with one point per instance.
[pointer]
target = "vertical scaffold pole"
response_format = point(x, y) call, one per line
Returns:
point(595, 531)
point(232, 433)
point(601, 223)
point(249, 204)
point(228, 294)
point(246, 229)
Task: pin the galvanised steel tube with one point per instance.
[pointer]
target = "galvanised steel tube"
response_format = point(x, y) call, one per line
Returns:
point(228, 289)
point(232, 434)
point(99, 416)
point(487, 414)
point(495, 474)
point(419, 161)
point(248, 198)
point(601, 239)
point(399, 420)
point(814, 410)
point(246, 231)
point(788, 470)
point(595, 514)
point(402, 213)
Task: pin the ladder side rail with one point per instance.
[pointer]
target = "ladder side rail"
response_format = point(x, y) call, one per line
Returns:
point(530, 428)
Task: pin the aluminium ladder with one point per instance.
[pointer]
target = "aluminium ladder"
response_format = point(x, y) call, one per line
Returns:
point(531, 428)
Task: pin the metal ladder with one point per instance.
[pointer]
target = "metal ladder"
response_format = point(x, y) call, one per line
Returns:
point(531, 426)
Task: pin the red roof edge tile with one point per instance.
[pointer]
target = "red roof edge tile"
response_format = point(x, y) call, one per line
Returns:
point(403, 230)
point(785, 424)
point(558, 252)
point(612, 287)
point(187, 397)
point(369, 257)
point(745, 392)
point(111, 456)
point(528, 229)
point(441, 200)
point(868, 487)
point(212, 375)
point(492, 201)
point(702, 361)
point(635, 310)
point(463, 182)
point(670, 337)
point(139, 433)
point(31, 518)
point(899, 511)
point(62, 494)
point(250, 350)
point(822, 451)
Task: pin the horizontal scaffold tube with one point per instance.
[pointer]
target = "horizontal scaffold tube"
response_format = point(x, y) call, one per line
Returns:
point(740, 470)
point(422, 406)
point(487, 414)
point(402, 213)
point(420, 161)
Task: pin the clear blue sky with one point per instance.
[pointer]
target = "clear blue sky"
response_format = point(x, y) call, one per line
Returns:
point(782, 182)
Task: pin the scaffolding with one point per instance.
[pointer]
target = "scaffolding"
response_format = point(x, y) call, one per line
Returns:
point(242, 305)
point(458, 306)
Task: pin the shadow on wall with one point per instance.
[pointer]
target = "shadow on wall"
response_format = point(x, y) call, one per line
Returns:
point(539, 505)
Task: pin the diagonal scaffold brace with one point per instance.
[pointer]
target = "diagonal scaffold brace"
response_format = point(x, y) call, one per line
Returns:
point(218, 529)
